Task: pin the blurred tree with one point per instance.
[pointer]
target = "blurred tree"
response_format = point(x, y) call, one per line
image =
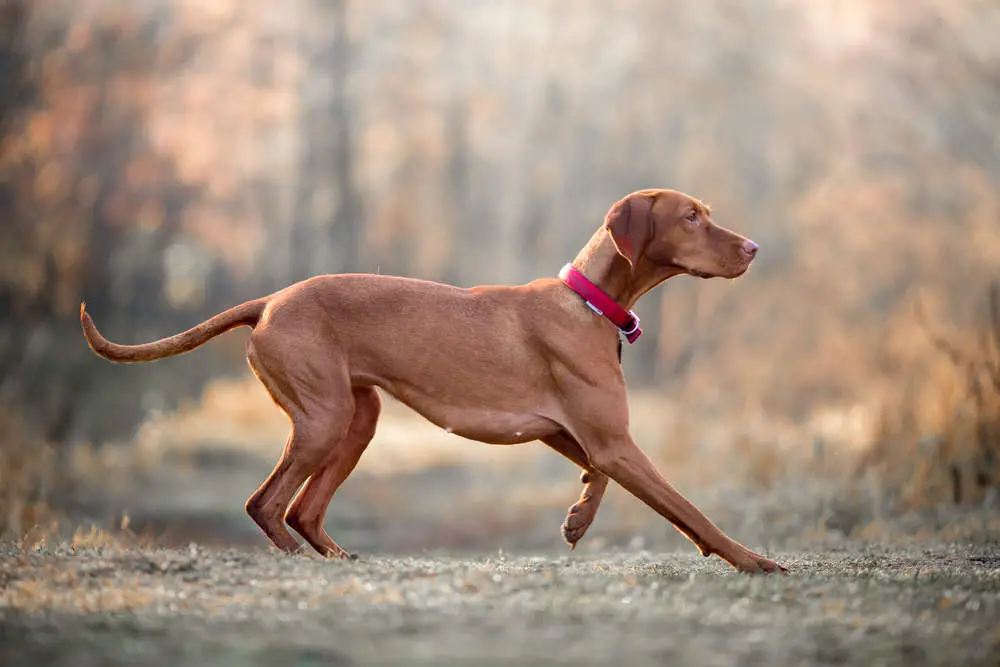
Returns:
point(90, 213)
point(325, 235)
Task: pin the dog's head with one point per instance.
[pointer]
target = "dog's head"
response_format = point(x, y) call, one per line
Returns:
point(669, 229)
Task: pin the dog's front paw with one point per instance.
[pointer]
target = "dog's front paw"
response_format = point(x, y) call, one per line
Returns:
point(578, 520)
point(745, 560)
point(757, 564)
point(768, 566)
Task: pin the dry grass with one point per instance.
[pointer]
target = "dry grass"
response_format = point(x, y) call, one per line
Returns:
point(31, 475)
point(938, 439)
point(27, 474)
point(54, 589)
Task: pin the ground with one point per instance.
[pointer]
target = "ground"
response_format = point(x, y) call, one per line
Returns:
point(917, 605)
point(461, 561)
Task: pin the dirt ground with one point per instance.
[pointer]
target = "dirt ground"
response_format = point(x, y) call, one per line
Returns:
point(928, 605)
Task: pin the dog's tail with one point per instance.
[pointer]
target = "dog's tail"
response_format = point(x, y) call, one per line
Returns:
point(246, 314)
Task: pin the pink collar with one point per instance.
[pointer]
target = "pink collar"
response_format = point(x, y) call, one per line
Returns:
point(602, 304)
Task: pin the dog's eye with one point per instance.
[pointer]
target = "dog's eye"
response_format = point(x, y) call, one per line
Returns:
point(692, 216)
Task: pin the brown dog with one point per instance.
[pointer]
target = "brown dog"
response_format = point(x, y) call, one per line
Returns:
point(501, 365)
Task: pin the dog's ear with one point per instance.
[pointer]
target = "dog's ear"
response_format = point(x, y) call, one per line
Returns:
point(631, 226)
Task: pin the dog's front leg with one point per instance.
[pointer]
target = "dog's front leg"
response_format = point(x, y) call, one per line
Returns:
point(582, 513)
point(621, 459)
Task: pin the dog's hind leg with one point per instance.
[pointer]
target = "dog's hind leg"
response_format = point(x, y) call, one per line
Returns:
point(308, 510)
point(317, 397)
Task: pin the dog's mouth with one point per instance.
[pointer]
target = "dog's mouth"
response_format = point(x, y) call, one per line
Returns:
point(694, 272)
point(705, 274)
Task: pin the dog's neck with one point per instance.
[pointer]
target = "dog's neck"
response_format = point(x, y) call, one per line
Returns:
point(604, 266)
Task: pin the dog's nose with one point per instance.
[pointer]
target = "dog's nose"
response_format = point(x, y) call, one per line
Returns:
point(750, 248)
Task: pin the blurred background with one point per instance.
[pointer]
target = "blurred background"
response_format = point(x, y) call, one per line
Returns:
point(165, 160)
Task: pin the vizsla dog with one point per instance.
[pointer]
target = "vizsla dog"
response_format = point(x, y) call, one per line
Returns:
point(501, 365)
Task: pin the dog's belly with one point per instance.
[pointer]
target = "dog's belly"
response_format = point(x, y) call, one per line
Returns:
point(495, 428)
point(489, 425)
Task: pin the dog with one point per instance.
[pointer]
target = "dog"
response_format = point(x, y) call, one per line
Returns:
point(498, 364)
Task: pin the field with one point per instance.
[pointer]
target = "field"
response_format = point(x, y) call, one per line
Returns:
point(934, 604)
point(461, 560)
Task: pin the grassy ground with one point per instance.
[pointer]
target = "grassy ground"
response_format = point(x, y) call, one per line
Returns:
point(634, 592)
point(936, 604)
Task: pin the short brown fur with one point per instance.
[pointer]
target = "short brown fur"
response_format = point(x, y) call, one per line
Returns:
point(501, 365)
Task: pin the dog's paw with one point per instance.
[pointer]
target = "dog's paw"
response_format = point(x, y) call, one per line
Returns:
point(757, 564)
point(337, 553)
point(578, 520)
point(768, 566)
point(571, 536)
